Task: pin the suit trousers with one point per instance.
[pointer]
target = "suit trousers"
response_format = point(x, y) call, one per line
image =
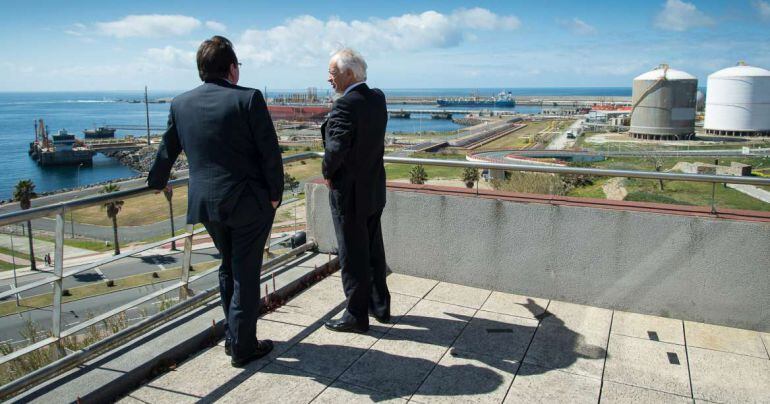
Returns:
point(363, 266)
point(241, 241)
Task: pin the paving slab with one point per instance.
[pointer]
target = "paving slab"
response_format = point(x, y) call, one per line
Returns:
point(432, 322)
point(467, 377)
point(340, 392)
point(315, 304)
point(396, 367)
point(515, 305)
point(648, 327)
point(766, 340)
point(648, 364)
point(725, 377)
point(582, 319)
point(459, 295)
point(579, 347)
point(506, 337)
point(194, 380)
point(327, 353)
point(726, 339)
point(618, 393)
point(534, 384)
point(275, 383)
point(410, 285)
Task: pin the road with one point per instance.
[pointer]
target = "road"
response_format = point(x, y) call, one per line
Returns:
point(75, 312)
point(560, 142)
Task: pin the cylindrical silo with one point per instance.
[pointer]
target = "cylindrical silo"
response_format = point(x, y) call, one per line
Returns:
point(663, 105)
point(738, 102)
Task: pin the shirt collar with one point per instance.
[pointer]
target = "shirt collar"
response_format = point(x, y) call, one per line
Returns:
point(352, 86)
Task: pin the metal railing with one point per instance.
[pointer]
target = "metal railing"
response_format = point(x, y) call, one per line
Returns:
point(188, 300)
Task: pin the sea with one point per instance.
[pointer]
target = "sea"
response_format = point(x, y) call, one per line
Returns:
point(76, 111)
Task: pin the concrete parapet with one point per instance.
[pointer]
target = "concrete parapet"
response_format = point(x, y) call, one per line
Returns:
point(646, 258)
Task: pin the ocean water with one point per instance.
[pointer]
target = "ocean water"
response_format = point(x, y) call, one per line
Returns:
point(76, 111)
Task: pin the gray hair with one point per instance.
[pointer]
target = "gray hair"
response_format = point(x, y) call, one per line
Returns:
point(348, 59)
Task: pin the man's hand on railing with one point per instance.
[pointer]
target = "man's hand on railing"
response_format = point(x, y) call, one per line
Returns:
point(167, 188)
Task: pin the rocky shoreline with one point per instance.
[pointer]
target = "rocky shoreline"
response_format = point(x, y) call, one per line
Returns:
point(141, 160)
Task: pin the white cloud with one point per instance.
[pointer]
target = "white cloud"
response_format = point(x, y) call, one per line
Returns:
point(77, 29)
point(150, 25)
point(172, 57)
point(763, 7)
point(483, 19)
point(216, 26)
point(305, 40)
point(680, 16)
point(578, 26)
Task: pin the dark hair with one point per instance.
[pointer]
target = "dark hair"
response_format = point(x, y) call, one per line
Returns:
point(215, 56)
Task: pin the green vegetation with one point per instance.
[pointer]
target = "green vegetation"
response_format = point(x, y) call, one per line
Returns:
point(470, 176)
point(23, 193)
point(417, 175)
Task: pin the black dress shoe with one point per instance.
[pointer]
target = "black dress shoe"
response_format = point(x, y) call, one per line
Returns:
point(263, 348)
point(344, 326)
point(228, 348)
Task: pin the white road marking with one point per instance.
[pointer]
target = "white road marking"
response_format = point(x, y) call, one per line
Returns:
point(162, 268)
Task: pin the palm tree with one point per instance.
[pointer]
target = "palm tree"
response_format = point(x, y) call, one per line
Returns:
point(168, 192)
point(23, 193)
point(113, 208)
point(418, 175)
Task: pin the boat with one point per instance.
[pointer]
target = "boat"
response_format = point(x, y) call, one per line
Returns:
point(99, 133)
point(298, 112)
point(502, 100)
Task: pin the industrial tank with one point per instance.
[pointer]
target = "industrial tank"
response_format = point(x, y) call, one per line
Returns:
point(738, 102)
point(663, 105)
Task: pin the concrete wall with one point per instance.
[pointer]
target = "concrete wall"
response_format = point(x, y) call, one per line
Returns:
point(694, 268)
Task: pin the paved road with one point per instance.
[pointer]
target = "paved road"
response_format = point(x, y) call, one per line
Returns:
point(77, 311)
point(561, 142)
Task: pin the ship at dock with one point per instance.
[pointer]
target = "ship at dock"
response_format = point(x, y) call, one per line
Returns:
point(59, 149)
point(102, 132)
point(298, 112)
point(502, 100)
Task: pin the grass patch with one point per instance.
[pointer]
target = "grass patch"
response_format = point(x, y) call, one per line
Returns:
point(16, 253)
point(304, 172)
point(83, 243)
point(590, 191)
point(691, 193)
point(98, 288)
point(137, 211)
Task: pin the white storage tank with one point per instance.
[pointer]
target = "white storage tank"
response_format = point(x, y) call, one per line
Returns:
point(738, 102)
point(663, 105)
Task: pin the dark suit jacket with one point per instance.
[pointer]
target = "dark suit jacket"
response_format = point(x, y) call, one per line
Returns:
point(231, 147)
point(354, 144)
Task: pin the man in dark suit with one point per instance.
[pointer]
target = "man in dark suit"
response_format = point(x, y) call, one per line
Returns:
point(236, 183)
point(354, 143)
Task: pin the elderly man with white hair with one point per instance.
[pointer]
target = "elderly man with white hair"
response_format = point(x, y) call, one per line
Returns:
point(354, 142)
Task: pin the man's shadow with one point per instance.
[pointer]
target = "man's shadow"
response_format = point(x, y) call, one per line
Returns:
point(400, 375)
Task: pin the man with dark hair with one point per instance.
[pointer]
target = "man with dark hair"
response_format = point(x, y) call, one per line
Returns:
point(354, 144)
point(236, 183)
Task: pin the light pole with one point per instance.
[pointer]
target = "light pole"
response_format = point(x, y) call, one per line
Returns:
point(72, 219)
point(13, 259)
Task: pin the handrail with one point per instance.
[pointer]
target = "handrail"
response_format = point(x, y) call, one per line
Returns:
point(717, 179)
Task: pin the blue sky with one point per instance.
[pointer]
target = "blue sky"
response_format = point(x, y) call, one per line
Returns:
point(104, 45)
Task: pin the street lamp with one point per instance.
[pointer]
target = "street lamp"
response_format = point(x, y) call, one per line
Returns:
point(72, 219)
point(13, 259)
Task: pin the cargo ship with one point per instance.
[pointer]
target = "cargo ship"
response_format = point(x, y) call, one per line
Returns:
point(298, 112)
point(502, 100)
point(101, 132)
point(60, 149)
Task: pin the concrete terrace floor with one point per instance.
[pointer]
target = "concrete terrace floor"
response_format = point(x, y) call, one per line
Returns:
point(453, 343)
